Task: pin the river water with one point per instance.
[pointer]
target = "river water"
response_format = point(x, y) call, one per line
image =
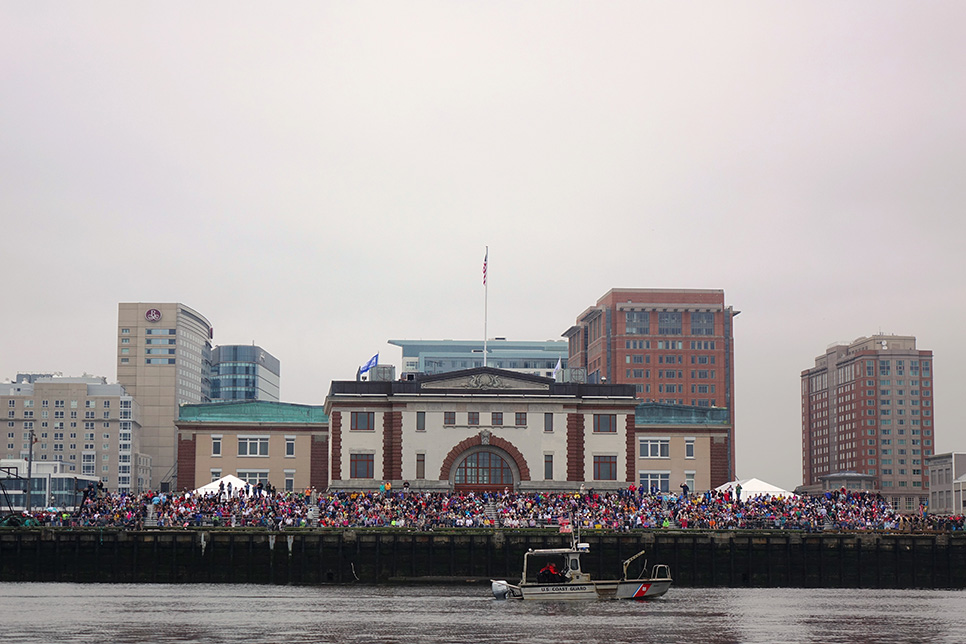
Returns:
point(42, 613)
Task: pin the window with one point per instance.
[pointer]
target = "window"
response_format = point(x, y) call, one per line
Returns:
point(656, 448)
point(702, 323)
point(420, 466)
point(420, 421)
point(520, 419)
point(253, 477)
point(252, 446)
point(548, 422)
point(605, 422)
point(363, 420)
point(548, 467)
point(449, 417)
point(605, 468)
point(290, 446)
point(636, 323)
point(669, 323)
point(689, 449)
point(473, 418)
point(497, 418)
point(216, 445)
point(659, 481)
point(483, 468)
point(361, 466)
point(215, 474)
point(289, 480)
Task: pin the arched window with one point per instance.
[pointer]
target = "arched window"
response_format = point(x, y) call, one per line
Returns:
point(483, 468)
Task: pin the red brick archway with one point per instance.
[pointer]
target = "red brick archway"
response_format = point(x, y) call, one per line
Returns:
point(501, 444)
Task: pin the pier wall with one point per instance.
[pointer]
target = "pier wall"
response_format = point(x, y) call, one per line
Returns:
point(697, 558)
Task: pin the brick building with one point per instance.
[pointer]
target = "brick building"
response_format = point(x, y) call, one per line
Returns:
point(675, 346)
point(867, 407)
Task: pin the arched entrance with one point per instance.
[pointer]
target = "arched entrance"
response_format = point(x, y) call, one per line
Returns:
point(483, 471)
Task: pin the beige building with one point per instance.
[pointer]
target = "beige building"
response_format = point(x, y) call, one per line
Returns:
point(163, 361)
point(91, 426)
point(678, 445)
point(259, 441)
point(481, 429)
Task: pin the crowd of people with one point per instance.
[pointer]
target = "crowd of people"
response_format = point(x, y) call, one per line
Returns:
point(627, 509)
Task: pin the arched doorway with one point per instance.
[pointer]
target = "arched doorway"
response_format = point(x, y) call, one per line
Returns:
point(483, 471)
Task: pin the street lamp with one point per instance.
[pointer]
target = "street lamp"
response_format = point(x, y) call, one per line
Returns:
point(30, 462)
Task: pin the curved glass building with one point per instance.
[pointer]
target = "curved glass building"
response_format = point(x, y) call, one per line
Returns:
point(243, 372)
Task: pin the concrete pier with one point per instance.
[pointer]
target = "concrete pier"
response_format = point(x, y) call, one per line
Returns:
point(697, 558)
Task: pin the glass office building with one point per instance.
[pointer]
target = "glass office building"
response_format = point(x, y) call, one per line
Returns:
point(244, 372)
point(442, 356)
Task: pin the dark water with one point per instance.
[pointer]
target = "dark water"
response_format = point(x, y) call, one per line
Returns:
point(40, 613)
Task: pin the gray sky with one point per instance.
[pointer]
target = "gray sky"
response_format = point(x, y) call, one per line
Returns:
point(320, 177)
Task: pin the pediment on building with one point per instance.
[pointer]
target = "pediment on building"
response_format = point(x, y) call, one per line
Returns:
point(486, 379)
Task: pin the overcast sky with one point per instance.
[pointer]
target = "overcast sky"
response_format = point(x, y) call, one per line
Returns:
point(320, 177)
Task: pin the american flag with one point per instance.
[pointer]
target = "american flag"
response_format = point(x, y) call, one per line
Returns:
point(485, 256)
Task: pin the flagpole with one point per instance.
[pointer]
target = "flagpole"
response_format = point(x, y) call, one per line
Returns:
point(486, 287)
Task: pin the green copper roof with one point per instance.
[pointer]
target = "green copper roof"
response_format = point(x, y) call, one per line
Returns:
point(253, 411)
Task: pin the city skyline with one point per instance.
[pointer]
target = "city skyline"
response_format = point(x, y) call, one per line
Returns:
point(322, 180)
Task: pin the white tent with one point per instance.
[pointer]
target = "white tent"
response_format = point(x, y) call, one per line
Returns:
point(753, 487)
point(215, 486)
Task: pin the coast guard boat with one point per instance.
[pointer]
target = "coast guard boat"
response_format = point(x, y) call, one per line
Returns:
point(560, 576)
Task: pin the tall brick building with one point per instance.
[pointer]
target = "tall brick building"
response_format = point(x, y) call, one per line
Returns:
point(867, 407)
point(675, 346)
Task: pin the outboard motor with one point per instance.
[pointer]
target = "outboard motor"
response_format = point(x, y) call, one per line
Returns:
point(500, 589)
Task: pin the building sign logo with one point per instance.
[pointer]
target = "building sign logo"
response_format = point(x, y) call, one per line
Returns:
point(152, 315)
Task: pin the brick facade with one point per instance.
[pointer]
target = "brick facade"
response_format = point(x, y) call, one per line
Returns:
point(319, 474)
point(720, 462)
point(575, 447)
point(392, 445)
point(335, 437)
point(187, 450)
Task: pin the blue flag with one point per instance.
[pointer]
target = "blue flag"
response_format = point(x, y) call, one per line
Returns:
point(373, 361)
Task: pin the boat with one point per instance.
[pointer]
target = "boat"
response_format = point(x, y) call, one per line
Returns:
point(560, 576)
